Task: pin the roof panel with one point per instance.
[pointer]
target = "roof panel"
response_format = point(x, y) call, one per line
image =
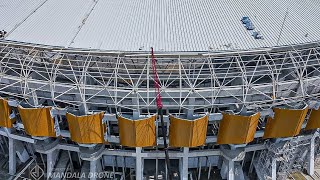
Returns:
point(168, 25)
point(56, 22)
point(13, 12)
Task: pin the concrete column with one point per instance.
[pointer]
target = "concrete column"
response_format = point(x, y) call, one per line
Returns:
point(224, 169)
point(238, 172)
point(227, 169)
point(230, 170)
point(51, 161)
point(139, 164)
point(93, 169)
point(184, 162)
point(50, 164)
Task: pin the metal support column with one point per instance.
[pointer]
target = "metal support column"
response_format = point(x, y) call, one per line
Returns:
point(274, 169)
point(190, 110)
point(12, 156)
point(184, 164)
point(139, 164)
point(311, 156)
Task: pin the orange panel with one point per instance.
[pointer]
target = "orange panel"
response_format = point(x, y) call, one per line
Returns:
point(188, 133)
point(286, 123)
point(5, 111)
point(86, 129)
point(237, 129)
point(314, 120)
point(180, 132)
point(37, 121)
point(137, 133)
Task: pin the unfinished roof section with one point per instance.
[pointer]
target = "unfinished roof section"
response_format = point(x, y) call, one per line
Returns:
point(168, 25)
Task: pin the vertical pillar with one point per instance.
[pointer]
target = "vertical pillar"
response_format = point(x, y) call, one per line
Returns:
point(136, 114)
point(157, 169)
point(139, 164)
point(135, 102)
point(227, 169)
point(311, 158)
point(184, 163)
point(34, 99)
point(83, 108)
point(274, 169)
point(50, 162)
point(190, 110)
point(93, 169)
point(251, 163)
point(224, 168)
point(12, 156)
point(230, 170)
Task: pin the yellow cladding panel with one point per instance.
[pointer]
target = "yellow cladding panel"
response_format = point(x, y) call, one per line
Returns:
point(314, 120)
point(86, 129)
point(286, 123)
point(188, 133)
point(5, 111)
point(137, 133)
point(37, 121)
point(237, 129)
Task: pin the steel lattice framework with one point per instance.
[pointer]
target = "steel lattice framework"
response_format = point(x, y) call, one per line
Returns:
point(123, 81)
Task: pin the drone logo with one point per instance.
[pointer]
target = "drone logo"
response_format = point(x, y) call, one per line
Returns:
point(36, 172)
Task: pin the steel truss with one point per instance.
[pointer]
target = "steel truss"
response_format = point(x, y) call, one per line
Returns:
point(195, 82)
point(190, 83)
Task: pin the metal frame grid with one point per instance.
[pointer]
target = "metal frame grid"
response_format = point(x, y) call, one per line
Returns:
point(190, 82)
point(286, 156)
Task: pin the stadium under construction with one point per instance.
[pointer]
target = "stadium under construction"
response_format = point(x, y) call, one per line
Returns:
point(147, 89)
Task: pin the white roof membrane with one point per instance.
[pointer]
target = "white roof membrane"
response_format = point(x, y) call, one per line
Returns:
point(14, 12)
point(167, 25)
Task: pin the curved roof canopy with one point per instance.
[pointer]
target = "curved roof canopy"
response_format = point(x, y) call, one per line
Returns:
point(167, 25)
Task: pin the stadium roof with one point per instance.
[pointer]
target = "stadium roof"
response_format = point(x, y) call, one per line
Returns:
point(167, 25)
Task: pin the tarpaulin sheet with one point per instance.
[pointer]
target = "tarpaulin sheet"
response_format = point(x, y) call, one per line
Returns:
point(37, 121)
point(237, 129)
point(86, 129)
point(137, 133)
point(5, 111)
point(188, 133)
point(286, 123)
point(314, 120)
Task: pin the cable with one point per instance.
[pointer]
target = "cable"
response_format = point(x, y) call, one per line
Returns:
point(160, 110)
